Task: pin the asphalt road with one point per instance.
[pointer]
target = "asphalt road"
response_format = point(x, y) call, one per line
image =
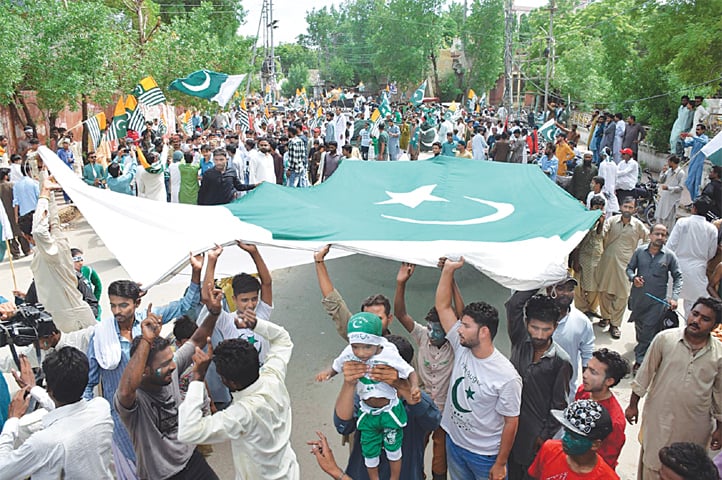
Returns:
point(298, 309)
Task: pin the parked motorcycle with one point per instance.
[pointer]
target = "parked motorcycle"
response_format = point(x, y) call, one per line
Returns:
point(646, 194)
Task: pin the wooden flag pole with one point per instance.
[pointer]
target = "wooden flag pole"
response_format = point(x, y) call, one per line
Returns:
point(12, 267)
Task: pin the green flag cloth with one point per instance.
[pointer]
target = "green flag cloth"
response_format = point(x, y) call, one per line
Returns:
point(547, 130)
point(213, 86)
point(507, 220)
point(418, 97)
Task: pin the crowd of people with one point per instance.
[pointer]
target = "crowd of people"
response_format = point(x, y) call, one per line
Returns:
point(122, 401)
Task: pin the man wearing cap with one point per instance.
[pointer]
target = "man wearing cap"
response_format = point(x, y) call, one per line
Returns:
point(485, 389)
point(580, 185)
point(586, 424)
point(682, 379)
point(649, 270)
point(65, 154)
point(24, 144)
point(627, 175)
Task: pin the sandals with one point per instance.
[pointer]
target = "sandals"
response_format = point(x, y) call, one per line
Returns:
point(615, 332)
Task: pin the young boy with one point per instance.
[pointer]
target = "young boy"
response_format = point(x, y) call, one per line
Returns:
point(382, 416)
point(435, 358)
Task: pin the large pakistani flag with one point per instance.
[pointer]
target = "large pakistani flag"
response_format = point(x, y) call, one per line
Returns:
point(213, 86)
point(509, 221)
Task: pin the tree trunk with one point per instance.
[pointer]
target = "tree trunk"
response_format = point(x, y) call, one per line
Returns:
point(84, 110)
point(437, 85)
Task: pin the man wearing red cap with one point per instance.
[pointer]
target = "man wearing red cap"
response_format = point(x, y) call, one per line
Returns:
point(627, 174)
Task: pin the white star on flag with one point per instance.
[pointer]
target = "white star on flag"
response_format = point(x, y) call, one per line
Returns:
point(413, 198)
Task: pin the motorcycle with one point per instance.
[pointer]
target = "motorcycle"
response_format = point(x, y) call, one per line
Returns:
point(646, 194)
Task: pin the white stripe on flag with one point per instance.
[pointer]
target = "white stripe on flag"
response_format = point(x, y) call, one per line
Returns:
point(713, 146)
point(154, 96)
point(94, 131)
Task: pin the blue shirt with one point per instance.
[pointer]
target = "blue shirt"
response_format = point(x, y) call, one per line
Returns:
point(205, 166)
point(549, 166)
point(447, 149)
point(25, 195)
point(111, 378)
point(423, 418)
point(123, 183)
point(67, 157)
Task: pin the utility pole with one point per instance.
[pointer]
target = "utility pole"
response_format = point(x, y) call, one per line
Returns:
point(549, 53)
point(508, 82)
point(268, 69)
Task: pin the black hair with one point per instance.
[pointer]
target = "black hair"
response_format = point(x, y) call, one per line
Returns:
point(4, 173)
point(377, 299)
point(432, 316)
point(689, 461)
point(597, 201)
point(599, 180)
point(237, 361)
point(75, 251)
point(718, 170)
point(436, 144)
point(66, 372)
point(124, 289)
point(406, 350)
point(633, 117)
point(159, 344)
point(483, 315)
point(15, 157)
point(188, 157)
point(700, 125)
point(702, 205)
point(712, 303)
point(183, 328)
point(245, 283)
point(114, 170)
point(346, 148)
point(220, 152)
point(332, 142)
point(674, 159)
point(617, 366)
point(627, 200)
point(542, 308)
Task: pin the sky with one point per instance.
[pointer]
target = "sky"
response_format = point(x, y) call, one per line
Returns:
point(291, 16)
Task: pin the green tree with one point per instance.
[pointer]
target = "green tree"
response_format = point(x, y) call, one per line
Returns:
point(290, 54)
point(297, 78)
point(483, 37)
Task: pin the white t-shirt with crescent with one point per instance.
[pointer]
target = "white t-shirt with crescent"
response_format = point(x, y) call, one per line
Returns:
point(481, 393)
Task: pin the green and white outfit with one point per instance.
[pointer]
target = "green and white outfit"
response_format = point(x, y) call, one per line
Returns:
point(378, 427)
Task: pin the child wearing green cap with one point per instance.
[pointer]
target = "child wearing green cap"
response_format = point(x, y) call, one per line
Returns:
point(381, 415)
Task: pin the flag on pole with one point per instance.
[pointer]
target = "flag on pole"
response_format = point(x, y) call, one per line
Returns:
point(392, 88)
point(418, 97)
point(384, 107)
point(546, 131)
point(136, 119)
point(96, 125)
point(148, 93)
point(471, 96)
point(213, 86)
point(187, 122)
point(119, 125)
point(243, 115)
